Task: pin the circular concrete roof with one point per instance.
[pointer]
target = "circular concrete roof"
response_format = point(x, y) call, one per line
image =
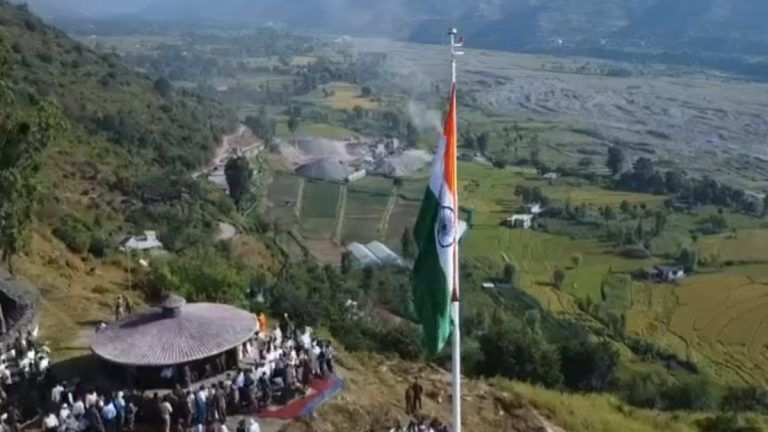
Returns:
point(167, 336)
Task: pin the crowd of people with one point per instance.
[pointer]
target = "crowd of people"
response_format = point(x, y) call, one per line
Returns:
point(421, 425)
point(23, 366)
point(27, 361)
point(275, 367)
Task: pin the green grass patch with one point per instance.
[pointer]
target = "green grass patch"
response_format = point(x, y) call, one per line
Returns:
point(320, 200)
point(363, 216)
point(404, 216)
point(373, 184)
point(745, 246)
point(597, 412)
point(342, 96)
point(282, 194)
point(322, 130)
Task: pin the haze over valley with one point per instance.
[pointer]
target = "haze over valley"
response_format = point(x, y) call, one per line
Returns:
point(173, 172)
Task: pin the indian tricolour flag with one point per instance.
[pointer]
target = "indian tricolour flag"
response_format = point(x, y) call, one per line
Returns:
point(435, 281)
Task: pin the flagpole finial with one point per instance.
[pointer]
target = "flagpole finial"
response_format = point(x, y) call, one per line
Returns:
point(455, 41)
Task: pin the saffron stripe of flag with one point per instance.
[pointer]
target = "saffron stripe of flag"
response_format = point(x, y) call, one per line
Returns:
point(435, 273)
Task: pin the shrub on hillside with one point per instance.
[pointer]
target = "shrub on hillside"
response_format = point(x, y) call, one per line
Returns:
point(742, 399)
point(695, 393)
point(98, 246)
point(589, 366)
point(725, 423)
point(635, 252)
point(201, 275)
point(75, 235)
point(404, 340)
point(643, 390)
point(515, 352)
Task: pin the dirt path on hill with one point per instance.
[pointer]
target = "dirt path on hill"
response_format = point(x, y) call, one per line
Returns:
point(240, 139)
point(384, 224)
point(299, 199)
point(341, 209)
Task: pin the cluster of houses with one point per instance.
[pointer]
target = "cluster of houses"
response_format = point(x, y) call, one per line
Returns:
point(661, 273)
point(525, 220)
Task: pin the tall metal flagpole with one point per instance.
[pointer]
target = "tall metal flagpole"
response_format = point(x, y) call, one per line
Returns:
point(456, 352)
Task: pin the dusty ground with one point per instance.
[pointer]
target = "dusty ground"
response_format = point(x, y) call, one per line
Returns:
point(715, 123)
point(373, 400)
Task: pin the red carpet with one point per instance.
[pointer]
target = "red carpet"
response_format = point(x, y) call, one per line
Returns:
point(322, 390)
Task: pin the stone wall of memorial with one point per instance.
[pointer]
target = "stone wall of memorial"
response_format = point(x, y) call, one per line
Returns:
point(19, 302)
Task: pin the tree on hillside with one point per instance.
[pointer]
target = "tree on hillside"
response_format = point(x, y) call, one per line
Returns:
point(675, 181)
point(535, 153)
point(577, 258)
point(558, 277)
point(163, 87)
point(515, 352)
point(262, 126)
point(511, 275)
point(589, 366)
point(365, 91)
point(689, 259)
point(358, 112)
point(293, 126)
point(346, 262)
point(408, 244)
point(585, 162)
point(482, 142)
point(625, 207)
point(659, 222)
point(608, 213)
point(616, 160)
point(24, 137)
point(468, 140)
point(765, 205)
point(239, 174)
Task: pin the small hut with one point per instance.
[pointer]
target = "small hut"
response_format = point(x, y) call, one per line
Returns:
point(174, 343)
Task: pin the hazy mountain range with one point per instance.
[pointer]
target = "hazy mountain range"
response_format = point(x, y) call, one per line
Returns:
point(709, 25)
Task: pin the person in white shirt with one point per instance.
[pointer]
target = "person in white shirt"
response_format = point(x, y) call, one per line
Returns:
point(263, 369)
point(78, 408)
point(50, 423)
point(253, 426)
point(64, 413)
point(5, 377)
point(42, 363)
point(90, 399)
point(165, 414)
point(56, 392)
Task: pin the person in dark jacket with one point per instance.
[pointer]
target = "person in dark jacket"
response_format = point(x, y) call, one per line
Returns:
point(94, 419)
point(221, 403)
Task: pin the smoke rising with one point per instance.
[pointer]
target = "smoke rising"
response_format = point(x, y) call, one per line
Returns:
point(424, 118)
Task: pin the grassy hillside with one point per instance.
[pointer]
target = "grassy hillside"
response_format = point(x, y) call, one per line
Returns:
point(122, 166)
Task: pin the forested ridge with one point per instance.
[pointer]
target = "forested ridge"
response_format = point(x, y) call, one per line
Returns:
point(121, 162)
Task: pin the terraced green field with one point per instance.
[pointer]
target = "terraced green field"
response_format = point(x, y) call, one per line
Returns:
point(282, 195)
point(718, 318)
point(363, 216)
point(318, 211)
